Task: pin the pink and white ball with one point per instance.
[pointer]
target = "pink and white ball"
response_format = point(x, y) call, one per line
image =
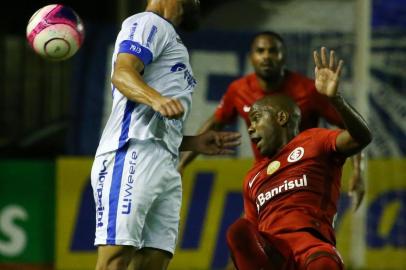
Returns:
point(55, 32)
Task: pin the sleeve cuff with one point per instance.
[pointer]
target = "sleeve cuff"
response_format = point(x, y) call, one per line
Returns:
point(134, 48)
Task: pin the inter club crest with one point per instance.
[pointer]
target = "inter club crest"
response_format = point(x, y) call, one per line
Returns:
point(296, 154)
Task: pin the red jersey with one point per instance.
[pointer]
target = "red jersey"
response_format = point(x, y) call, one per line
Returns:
point(298, 188)
point(242, 93)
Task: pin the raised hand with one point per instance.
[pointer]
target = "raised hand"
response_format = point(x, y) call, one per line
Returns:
point(327, 72)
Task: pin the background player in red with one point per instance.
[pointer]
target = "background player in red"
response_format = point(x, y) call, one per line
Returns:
point(290, 196)
point(268, 56)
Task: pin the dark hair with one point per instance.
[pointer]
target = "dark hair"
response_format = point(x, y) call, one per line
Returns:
point(273, 35)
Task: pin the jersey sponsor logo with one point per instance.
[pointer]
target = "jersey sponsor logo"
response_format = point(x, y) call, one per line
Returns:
point(178, 67)
point(296, 154)
point(287, 185)
point(99, 190)
point(132, 31)
point(246, 108)
point(272, 167)
point(126, 205)
point(151, 35)
point(250, 183)
point(191, 81)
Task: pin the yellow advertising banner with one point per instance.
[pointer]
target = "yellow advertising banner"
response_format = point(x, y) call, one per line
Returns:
point(212, 201)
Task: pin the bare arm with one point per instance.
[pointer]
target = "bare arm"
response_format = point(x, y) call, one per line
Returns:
point(128, 80)
point(211, 142)
point(356, 134)
point(356, 185)
point(188, 157)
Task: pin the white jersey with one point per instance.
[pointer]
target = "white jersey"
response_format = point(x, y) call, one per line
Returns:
point(167, 69)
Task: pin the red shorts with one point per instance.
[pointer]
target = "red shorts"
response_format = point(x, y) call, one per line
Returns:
point(302, 248)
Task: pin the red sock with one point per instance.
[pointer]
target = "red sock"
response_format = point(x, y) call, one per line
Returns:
point(250, 251)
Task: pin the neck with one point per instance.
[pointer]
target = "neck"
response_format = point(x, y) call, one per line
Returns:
point(272, 83)
point(287, 135)
point(169, 9)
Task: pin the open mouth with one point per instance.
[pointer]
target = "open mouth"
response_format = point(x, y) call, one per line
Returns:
point(267, 65)
point(256, 140)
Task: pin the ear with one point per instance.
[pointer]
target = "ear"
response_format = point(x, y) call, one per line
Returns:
point(282, 117)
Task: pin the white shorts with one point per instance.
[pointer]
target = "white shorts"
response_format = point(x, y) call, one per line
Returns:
point(138, 194)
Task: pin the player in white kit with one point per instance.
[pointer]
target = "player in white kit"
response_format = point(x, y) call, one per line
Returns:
point(136, 186)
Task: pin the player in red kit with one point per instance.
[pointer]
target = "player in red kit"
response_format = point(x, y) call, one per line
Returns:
point(268, 56)
point(291, 195)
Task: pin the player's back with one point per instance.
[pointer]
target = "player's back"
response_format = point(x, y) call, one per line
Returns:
point(155, 42)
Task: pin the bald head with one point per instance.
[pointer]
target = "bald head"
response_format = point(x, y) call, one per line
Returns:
point(277, 103)
point(274, 122)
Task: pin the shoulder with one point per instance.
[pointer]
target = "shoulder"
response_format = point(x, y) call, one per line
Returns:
point(256, 167)
point(296, 76)
point(240, 83)
point(319, 136)
point(317, 132)
point(145, 19)
point(300, 80)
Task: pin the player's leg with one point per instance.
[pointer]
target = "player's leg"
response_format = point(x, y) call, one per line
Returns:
point(150, 258)
point(324, 261)
point(250, 250)
point(113, 257)
point(323, 257)
point(119, 183)
point(105, 183)
point(311, 252)
point(162, 222)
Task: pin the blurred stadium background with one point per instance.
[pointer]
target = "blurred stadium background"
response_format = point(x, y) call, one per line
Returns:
point(51, 115)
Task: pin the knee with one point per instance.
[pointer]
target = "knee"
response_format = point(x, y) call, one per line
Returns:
point(115, 264)
point(325, 263)
point(111, 265)
point(240, 233)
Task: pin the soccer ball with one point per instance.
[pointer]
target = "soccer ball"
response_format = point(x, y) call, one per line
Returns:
point(55, 32)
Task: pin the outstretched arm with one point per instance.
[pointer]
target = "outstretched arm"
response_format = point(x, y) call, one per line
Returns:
point(212, 142)
point(188, 157)
point(356, 134)
point(356, 185)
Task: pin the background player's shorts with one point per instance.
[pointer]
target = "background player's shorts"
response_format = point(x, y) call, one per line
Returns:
point(138, 194)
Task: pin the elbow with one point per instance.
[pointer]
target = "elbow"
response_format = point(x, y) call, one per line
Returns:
point(366, 139)
point(369, 137)
point(116, 79)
